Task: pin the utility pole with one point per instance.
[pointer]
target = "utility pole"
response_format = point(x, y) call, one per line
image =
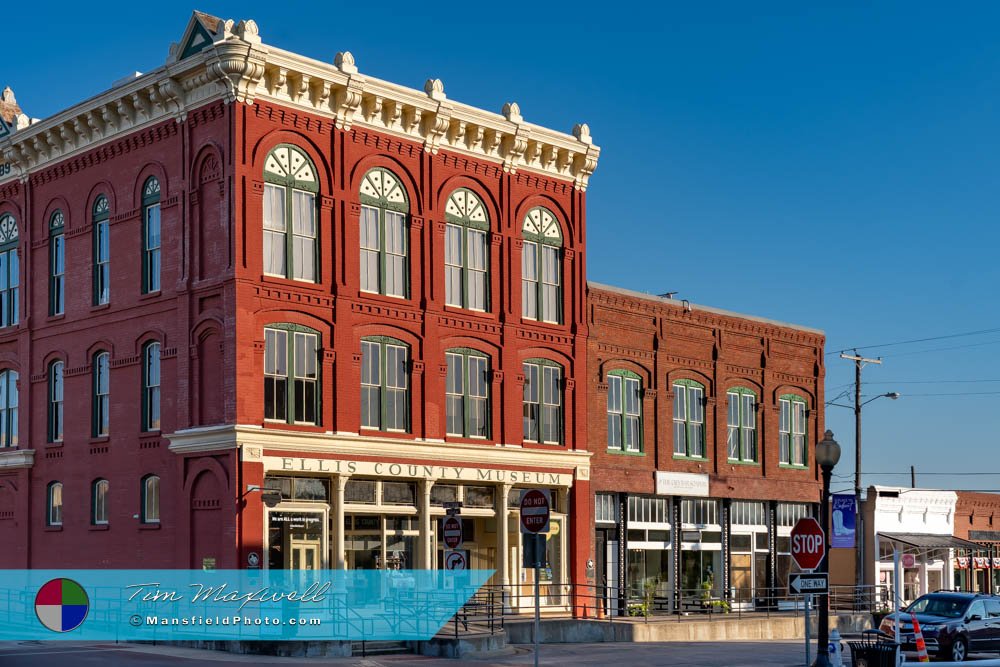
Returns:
point(859, 534)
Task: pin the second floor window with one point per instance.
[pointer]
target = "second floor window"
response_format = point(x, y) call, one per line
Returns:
point(542, 404)
point(385, 393)
point(102, 251)
point(468, 411)
point(541, 270)
point(102, 394)
point(689, 419)
point(466, 252)
point(55, 430)
point(57, 264)
point(99, 502)
point(10, 272)
point(384, 231)
point(792, 430)
point(742, 425)
point(624, 411)
point(8, 409)
point(54, 505)
point(290, 228)
point(151, 387)
point(151, 236)
point(291, 374)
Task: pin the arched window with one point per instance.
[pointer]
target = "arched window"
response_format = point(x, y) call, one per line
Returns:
point(290, 187)
point(689, 419)
point(291, 374)
point(541, 267)
point(151, 236)
point(10, 272)
point(543, 404)
point(55, 412)
point(385, 384)
point(151, 386)
point(384, 251)
point(150, 492)
point(792, 445)
point(101, 370)
point(624, 411)
point(8, 408)
point(468, 393)
point(466, 253)
point(102, 250)
point(742, 424)
point(54, 504)
point(99, 502)
point(57, 264)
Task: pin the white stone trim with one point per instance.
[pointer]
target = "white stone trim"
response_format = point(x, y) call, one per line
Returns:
point(17, 458)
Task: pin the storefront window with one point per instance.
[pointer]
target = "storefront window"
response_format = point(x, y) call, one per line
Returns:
point(399, 493)
point(649, 568)
point(360, 491)
point(701, 574)
point(444, 493)
point(295, 540)
point(479, 496)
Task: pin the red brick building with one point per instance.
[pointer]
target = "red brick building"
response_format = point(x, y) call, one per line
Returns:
point(249, 269)
point(705, 458)
point(977, 519)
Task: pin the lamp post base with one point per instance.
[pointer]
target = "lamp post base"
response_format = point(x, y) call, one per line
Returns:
point(822, 660)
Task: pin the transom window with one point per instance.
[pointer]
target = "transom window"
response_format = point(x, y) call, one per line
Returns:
point(792, 430)
point(541, 271)
point(10, 272)
point(102, 251)
point(102, 394)
point(543, 390)
point(150, 499)
point(290, 188)
point(742, 424)
point(55, 430)
point(151, 387)
point(384, 246)
point(466, 255)
point(151, 236)
point(54, 504)
point(689, 419)
point(468, 410)
point(57, 264)
point(624, 411)
point(99, 502)
point(385, 391)
point(699, 512)
point(291, 374)
point(8, 409)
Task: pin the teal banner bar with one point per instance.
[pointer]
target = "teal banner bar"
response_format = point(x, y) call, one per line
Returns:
point(247, 605)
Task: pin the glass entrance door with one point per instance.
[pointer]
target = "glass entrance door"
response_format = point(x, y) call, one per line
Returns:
point(305, 554)
point(296, 539)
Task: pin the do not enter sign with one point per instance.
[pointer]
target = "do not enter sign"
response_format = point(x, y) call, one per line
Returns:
point(451, 529)
point(808, 543)
point(535, 507)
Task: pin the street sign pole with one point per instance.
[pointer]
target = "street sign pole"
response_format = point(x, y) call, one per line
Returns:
point(809, 599)
point(536, 506)
point(538, 612)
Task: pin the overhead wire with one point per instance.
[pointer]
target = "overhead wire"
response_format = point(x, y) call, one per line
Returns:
point(915, 340)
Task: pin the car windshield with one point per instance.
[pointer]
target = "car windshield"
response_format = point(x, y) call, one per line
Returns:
point(939, 605)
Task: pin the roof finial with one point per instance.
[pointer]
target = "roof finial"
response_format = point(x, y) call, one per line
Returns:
point(344, 61)
point(512, 112)
point(582, 133)
point(434, 89)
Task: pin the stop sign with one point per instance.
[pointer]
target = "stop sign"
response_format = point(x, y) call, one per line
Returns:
point(451, 529)
point(808, 543)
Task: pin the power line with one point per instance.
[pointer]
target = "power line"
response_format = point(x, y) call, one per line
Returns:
point(942, 349)
point(929, 382)
point(915, 340)
point(954, 393)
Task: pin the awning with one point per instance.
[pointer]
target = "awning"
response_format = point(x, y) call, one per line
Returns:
point(926, 541)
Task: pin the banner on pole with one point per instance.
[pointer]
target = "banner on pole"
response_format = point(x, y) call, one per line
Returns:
point(843, 519)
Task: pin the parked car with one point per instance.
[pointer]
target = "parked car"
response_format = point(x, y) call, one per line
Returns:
point(953, 624)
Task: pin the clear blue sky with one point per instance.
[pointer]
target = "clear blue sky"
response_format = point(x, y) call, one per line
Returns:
point(829, 166)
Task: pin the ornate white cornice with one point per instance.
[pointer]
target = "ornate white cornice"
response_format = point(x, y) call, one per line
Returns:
point(238, 67)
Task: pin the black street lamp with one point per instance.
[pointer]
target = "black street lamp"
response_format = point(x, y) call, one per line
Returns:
point(827, 455)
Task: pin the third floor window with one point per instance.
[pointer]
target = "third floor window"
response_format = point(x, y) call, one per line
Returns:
point(541, 267)
point(466, 253)
point(10, 272)
point(102, 251)
point(151, 236)
point(384, 231)
point(290, 228)
point(57, 264)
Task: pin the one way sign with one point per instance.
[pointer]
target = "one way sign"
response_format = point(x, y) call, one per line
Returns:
point(809, 583)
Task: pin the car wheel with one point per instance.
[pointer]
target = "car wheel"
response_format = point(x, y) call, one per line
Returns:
point(959, 650)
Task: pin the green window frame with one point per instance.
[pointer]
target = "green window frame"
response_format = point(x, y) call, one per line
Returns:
point(292, 386)
point(741, 422)
point(150, 494)
point(57, 264)
point(542, 401)
point(467, 252)
point(689, 419)
point(541, 267)
point(793, 439)
point(54, 504)
point(624, 410)
point(384, 234)
point(151, 236)
point(291, 223)
point(151, 386)
point(467, 393)
point(55, 403)
point(101, 219)
point(10, 272)
point(8, 408)
point(101, 383)
point(99, 502)
point(385, 384)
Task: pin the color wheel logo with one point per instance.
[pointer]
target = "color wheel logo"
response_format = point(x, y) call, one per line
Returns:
point(61, 605)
